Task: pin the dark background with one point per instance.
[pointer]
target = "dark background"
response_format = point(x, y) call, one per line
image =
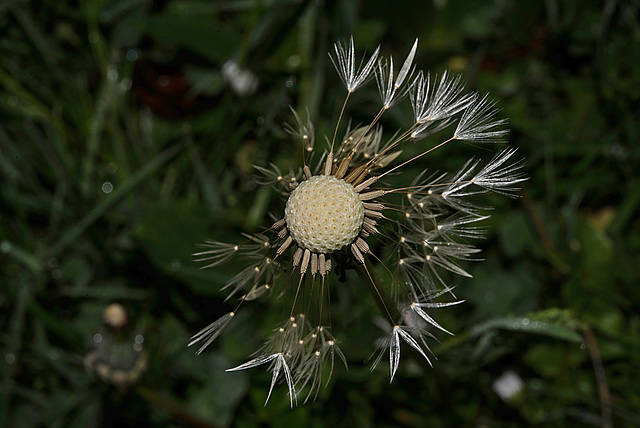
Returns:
point(122, 145)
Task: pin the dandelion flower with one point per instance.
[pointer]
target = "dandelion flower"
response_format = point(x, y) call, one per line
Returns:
point(336, 210)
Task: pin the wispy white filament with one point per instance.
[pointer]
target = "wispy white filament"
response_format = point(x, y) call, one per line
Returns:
point(345, 63)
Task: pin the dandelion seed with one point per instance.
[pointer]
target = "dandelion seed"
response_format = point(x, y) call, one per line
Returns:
point(337, 214)
point(479, 124)
point(393, 90)
point(218, 253)
point(304, 132)
point(211, 332)
point(345, 64)
point(392, 343)
point(278, 363)
point(438, 100)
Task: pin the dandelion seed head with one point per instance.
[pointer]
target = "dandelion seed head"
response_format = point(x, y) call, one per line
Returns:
point(324, 214)
point(334, 205)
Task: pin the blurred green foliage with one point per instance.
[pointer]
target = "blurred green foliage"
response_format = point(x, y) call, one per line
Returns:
point(122, 145)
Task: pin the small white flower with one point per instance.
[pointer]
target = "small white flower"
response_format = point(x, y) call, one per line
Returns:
point(243, 82)
point(508, 385)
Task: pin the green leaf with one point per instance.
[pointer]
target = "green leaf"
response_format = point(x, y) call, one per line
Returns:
point(73, 232)
point(170, 233)
point(217, 400)
point(535, 323)
point(204, 81)
point(515, 234)
point(201, 34)
point(553, 361)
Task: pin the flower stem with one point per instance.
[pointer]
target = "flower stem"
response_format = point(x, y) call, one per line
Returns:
point(383, 300)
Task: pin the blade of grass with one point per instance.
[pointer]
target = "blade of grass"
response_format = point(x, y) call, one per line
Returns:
point(205, 180)
point(23, 257)
point(528, 325)
point(8, 151)
point(626, 210)
point(44, 45)
point(22, 295)
point(175, 408)
point(312, 80)
point(60, 328)
point(106, 291)
point(96, 123)
point(75, 231)
point(258, 209)
point(32, 104)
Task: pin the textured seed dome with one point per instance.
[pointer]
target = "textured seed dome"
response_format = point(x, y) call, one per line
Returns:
point(324, 214)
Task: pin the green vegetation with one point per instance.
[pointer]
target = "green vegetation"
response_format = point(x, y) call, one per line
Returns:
point(123, 145)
